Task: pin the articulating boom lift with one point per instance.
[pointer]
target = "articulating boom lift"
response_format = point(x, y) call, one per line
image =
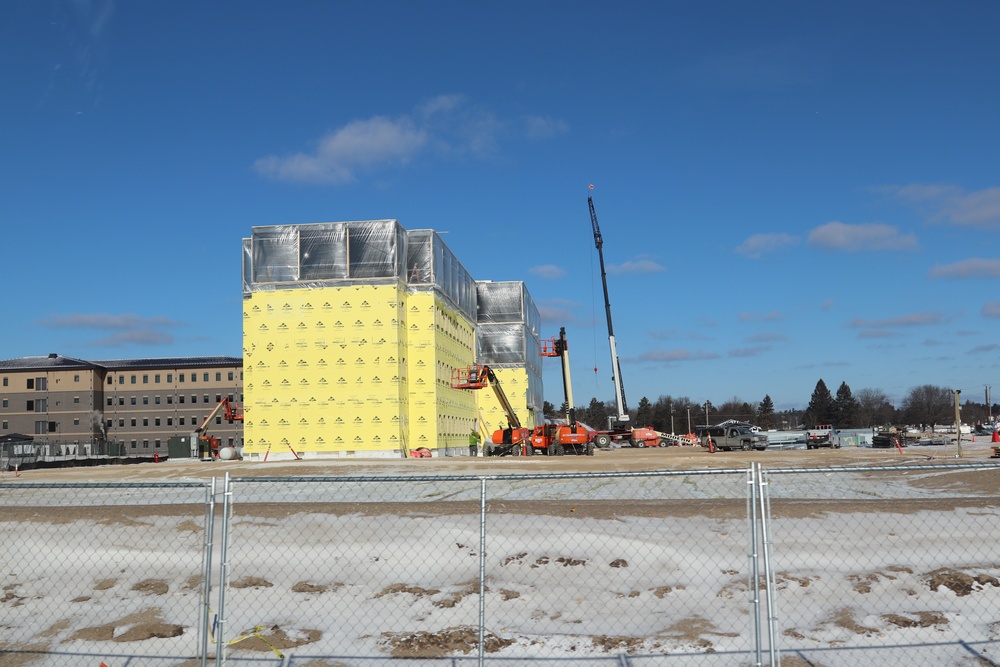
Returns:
point(511, 441)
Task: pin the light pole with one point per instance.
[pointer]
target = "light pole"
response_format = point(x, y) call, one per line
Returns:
point(706, 413)
point(671, 419)
point(689, 419)
point(958, 427)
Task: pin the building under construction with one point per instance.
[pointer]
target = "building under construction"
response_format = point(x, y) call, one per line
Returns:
point(352, 332)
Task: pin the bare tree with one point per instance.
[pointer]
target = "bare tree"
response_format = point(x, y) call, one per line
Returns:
point(928, 404)
point(874, 408)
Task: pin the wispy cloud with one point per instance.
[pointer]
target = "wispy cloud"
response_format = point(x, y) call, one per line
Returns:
point(765, 337)
point(752, 351)
point(771, 316)
point(908, 320)
point(447, 125)
point(667, 356)
point(548, 271)
point(863, 237)
point(950, 203)
point(127, 329)
point(991, 309)
point(562, 312)
point(636, 266)
point(677, 334)
point(968, 268)
point(759, 244)
point(990, 347)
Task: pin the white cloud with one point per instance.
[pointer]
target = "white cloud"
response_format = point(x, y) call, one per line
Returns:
point(908, 320)
point(635, 266)
point(991, 309)
point(758, 244)
point(548, 271)
point(752, 351)
point(951, 204)
point(447, 125)
point(772, 316)
point(853, 238)
point(968, 268)
point(128, 329)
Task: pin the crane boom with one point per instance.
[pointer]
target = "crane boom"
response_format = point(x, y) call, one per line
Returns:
point(616, 372)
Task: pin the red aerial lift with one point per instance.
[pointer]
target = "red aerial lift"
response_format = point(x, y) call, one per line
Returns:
point(208, 447)
point(558, 439)
point(515, 440)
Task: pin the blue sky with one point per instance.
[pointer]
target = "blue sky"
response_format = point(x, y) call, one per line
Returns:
point(787, 191)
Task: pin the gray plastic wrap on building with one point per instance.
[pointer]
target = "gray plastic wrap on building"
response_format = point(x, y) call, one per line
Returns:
point(371, 251)
point(507, 332)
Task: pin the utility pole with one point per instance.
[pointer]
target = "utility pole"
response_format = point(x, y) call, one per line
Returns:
point(689, 420)
point(958, 427)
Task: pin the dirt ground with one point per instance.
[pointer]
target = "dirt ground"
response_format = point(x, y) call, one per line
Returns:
point(614, 460)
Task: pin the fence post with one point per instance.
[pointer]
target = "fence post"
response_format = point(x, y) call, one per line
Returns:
point(220, 629)
point(482, 570)
point(770, 584)
point(753, 579)
point(206, 576)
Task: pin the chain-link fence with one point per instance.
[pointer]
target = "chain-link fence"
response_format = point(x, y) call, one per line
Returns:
point(886, 565)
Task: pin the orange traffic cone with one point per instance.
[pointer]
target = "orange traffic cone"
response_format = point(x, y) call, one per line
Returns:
point(996, 436)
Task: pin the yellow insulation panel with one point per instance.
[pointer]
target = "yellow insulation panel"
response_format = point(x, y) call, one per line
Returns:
point(352, 369)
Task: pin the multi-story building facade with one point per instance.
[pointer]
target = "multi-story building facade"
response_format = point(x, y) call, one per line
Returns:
point(352, 332)
point(136, 403)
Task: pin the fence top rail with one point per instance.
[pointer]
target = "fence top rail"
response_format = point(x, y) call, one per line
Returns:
point(916, 467)
point(106, 485)
point(501, 477)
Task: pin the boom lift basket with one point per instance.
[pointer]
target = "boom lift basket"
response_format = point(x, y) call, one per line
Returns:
point(549, 348)
point(468, 378)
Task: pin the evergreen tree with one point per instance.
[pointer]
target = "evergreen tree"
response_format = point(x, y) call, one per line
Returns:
point(846, 408)
point(821, 409)
point(765, 413)
point(643, 412)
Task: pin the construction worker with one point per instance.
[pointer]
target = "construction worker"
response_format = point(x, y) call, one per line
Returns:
point(474, 440)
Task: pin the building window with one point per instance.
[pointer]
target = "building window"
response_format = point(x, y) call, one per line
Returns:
point(133, 379)
point(76, 422)
point(132, 400)
point(133, 421)
point(121, 423)
point(218, 377)
point(76, 378)
point(230, 375)
point(170, 421)
point(218, 420)
point(156, 378)
point(121, 379)
point(180, 399)
point(5, 426)
point(145, 421)
point(52, 427)
point(180, 420)
point(76, 399)
point(145, 400)
point(110, 380)
point(109, 423)
point(205, 377)
point(206, 399)
point(5, 382)
point(145, 444)
point(218, 398)
point(180, 377)
point(30, 406)
point(194, 398)
point(157, 421)
point(134, 443)
point(145, 379)
point(156, 399)
point(5, 403)
point(170, 400)
point(31, 383)
point(110, 401)
point(121, 400)
point(157, 444)
point(170, 377)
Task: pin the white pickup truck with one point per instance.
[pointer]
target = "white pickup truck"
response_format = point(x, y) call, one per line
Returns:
point(821, 436)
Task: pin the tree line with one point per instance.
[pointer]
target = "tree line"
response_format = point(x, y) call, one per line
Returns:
point(926, 405)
